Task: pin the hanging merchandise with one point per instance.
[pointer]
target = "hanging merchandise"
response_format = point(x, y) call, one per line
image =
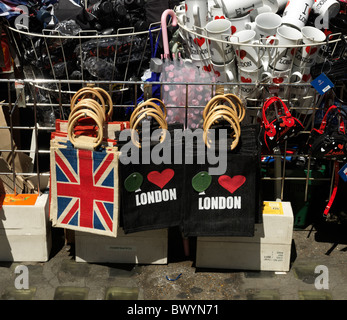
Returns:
point(86, 98)
point(177, 70)
point(330, 140)
point(281, 128)
point(84, 173)
point(151, 181)
point(226, 204)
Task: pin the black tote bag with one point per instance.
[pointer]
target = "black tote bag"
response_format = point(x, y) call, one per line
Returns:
point(151, 194)
point(229, 204)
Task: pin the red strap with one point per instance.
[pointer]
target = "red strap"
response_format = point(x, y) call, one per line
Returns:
point(268, 103)
point(324, 121)
point(333, 194)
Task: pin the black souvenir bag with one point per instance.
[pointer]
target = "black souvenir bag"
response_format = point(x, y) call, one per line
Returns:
point(227, 204)
point(281, 128)
point(330, 140)
point(151, 194)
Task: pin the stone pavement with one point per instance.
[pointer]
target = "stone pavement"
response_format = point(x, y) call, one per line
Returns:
point(61, 278)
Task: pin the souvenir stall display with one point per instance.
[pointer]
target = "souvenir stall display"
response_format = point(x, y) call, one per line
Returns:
point(199, 122)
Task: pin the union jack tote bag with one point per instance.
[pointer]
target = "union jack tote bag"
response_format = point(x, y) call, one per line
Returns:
point(84, 188)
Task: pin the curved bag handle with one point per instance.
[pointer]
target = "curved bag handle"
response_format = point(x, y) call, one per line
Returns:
point(325, 122)
point(83, 92)
point(214, 101)
point(141, 108)
point(239, 103)
point(210, 122)
point(162, 123)
point(225, 111)
point(89, 104)
point(267, 104)
point(85, 142)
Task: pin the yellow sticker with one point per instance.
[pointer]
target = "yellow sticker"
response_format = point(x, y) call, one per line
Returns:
point(272, 208)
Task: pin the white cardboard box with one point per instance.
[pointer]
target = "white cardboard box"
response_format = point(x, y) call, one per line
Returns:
point(268, 250)
point(25, 233)
point(146, 247)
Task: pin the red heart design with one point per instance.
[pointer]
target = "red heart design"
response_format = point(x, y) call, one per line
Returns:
point(199, 42)
point(242, 54)
point(246, 80)
point(311, 51)
point(306, 77)
point(207, 68)
point(186, 8)
point(231, 184)
point(233, 29)
point(340, 146)
point(278, 80)
point(161, 179)
point(217, 73)
point(217, 17)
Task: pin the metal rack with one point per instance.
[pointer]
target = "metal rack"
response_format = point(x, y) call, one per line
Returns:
point(66, 87)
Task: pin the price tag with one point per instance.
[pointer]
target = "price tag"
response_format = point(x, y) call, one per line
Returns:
point(273, 208)
point(322, 84)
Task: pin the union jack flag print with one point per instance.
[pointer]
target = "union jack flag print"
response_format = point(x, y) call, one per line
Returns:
point(84, 190)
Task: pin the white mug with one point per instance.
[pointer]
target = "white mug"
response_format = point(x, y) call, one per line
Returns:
point(234, 8)
point(276, 78)
point(248, 57)
point(328, 8)
point(216, 13)
point(248, 81)
point(220, 52)
point(282, 57)
point(265, 25)
point(238, 24)
point(197, 46)
point(196, 13)
point(311, 36)
point(225, 73)
point(275, 5)
point(256, 12)
point(296, 13)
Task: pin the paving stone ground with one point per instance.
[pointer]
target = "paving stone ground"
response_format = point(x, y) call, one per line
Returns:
point(61, 278)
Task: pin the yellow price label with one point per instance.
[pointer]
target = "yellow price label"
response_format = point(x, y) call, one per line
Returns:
point(272, 208)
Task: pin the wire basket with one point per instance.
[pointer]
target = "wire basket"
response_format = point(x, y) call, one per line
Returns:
point(85, 55)
point(291, 83)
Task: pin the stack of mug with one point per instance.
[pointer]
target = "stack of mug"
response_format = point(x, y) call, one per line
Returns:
point(255, 41)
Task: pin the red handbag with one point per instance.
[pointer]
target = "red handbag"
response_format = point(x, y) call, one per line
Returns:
point(283, 127)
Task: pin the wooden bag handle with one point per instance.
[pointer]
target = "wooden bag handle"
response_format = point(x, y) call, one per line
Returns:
point(161, 104)
point(84, 92)
point(224, 110)
point(150, 113)
point(239, 103)
point(215, 116)
point(140, 109)
point(84, 142)
point(108, 98)
point(214, 102)
point(92, 105)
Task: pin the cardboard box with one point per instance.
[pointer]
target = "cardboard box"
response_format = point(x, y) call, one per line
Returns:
point(268, 250)
point(25, 232)
point(146, 247)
